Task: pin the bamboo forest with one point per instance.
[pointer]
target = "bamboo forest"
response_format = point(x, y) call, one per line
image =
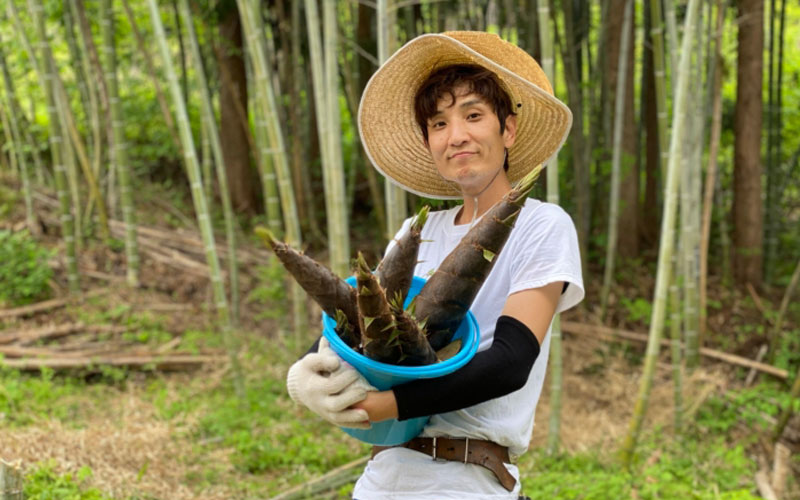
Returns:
point(185, 183)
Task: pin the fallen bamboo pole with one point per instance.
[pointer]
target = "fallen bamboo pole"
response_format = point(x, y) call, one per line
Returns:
point(328, 481)
point(67, 351)
point(190, 242)
point(27, 337)
point(615, 334)
point(47, 305)
point(10, 482)
point(172, 362)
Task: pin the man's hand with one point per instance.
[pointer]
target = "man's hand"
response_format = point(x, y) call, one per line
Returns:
point(378, 405)
point(328, 386)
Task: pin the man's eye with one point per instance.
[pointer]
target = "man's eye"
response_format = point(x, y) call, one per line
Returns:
point(436, 125)
point(473, 116)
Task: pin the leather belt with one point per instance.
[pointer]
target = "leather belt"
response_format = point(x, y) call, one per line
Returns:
point(473, 451)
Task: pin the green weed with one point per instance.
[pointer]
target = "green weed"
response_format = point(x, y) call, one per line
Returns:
point(24, 398)
point(638, 309)
point(25, 274)
point(45, 484)
point(691, 469)
point(754, 407)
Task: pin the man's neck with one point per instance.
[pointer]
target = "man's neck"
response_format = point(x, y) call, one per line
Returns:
point(485, 200)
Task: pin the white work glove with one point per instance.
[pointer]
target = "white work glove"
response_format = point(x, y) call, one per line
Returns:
point(327, 385)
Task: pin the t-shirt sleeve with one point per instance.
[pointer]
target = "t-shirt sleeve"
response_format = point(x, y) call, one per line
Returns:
point(547, 251)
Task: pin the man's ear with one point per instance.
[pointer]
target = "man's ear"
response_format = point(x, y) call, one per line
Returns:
point(510, 132)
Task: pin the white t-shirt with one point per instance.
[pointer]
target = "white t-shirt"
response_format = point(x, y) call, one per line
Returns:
point(542, 248)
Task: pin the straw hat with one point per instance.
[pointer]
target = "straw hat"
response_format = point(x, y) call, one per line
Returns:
point(391, 135)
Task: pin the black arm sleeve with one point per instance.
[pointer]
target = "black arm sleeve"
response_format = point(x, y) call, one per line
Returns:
point(497, 371)
point(314, 348)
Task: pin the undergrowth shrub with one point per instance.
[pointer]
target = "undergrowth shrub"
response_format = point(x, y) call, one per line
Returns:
point(24, 271)
point(44, 483)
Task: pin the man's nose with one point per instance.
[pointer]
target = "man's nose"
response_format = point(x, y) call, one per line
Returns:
point(458, 133)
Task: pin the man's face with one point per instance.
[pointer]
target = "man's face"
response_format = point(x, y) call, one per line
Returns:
point(465, 142)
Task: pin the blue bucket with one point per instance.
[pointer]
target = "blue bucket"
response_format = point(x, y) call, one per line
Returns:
point(384, 376)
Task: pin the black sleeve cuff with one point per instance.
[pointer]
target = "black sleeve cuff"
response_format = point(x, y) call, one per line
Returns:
point(497, 371)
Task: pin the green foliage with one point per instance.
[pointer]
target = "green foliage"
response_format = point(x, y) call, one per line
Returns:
point(637, 309)
point(689, 470)
point(264, 439)
point(270, 292)
point(44, 483)
point(787, 354)
point(25, 274)
point(755, 407)
point(26, 398)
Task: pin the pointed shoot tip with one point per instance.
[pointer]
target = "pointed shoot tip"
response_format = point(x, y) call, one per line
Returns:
point(266, 236)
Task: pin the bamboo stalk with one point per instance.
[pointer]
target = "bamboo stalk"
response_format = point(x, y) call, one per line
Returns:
point(29, 310)
point(619, 110)
point(666, 245)
point(776, 330)
point(199, 200)
point(328, 481)
point(690, 202)
point(657, 34)
point(219, 161)
point(119, 146)
point(96, 149)
point(264, 157)
point(787, 412)
point(269, 108)
point(11, 483)
point(31, 336)
point(770, 163)
point(305, 202)
point(81, 76)
point(576, 134)
point(56, 141)
point(675, 347)
point(327, 103)
point(338, 234)
point(395, 197)
point(711, 172)
point(556, 355)
point(17, 154)
point(102, 89)
point(67, 118)
point(11, 161)
point(772, 241)
point(161, 362)
point(151, 71)
point(673, 42)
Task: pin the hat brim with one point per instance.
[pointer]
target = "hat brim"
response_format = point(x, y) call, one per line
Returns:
point(392, 138)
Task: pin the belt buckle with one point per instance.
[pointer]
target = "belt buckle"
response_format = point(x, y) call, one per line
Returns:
point(466, 450)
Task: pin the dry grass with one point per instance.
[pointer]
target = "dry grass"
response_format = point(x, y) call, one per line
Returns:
point(127, 446)
point(600, 390)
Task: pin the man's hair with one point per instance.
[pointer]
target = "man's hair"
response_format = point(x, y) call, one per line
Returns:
point(476, 80)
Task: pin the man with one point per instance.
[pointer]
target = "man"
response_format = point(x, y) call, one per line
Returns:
point(463, 115)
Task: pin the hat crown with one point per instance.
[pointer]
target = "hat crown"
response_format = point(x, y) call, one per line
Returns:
point(505, 54)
